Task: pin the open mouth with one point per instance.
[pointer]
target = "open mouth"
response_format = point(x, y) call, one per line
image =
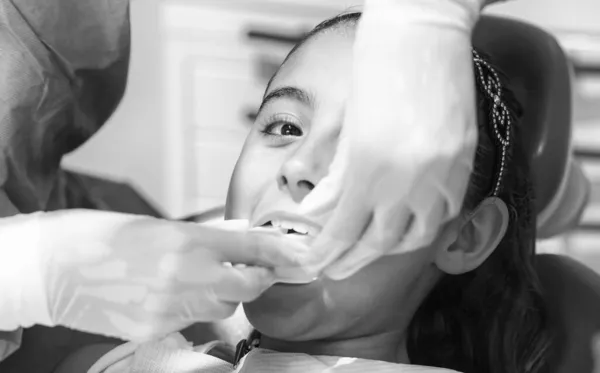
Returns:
point(287, 227)
point(289, 223)
point(296, 227)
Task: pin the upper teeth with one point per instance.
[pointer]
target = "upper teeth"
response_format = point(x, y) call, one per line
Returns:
point(298, 227)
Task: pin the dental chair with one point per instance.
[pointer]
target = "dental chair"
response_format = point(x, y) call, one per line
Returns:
point(541, 80)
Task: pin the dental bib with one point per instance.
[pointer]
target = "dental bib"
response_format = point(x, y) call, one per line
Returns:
point(175, 355)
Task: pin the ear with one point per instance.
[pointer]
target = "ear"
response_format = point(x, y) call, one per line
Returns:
point(480, 234)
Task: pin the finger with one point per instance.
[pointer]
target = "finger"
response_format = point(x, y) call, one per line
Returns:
point(359, 257)
point(267, 248)
point(299, 275)
point(429, 213)
point(198, 306)
point(246, 257)
point(145, 327)
point(380, 238)
point(237, 244)
point(328, 191)
point(344, 228)
point(240, 285)
point(351, 214)
point(195, 305)
point(189, 301)
point(235, 225)
point(353, 211)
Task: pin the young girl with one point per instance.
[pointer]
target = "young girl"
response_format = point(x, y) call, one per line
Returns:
point(470, 302)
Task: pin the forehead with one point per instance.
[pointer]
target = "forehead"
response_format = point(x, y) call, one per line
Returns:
point(323, 60)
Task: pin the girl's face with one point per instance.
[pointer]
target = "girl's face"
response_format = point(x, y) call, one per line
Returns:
point(285, 156)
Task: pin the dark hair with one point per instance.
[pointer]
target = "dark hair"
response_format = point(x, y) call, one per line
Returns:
point(492, 319)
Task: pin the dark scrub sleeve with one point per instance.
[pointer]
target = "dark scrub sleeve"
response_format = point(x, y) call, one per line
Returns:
point(63, 70)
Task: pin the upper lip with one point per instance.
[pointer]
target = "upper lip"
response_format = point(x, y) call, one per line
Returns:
point(290, 220)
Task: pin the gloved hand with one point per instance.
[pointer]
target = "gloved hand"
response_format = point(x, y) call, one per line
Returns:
point(408, 142)
point(130, 277)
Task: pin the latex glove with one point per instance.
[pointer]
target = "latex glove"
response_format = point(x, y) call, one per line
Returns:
point(409, 136)
point(122, 358)
point(127, 276)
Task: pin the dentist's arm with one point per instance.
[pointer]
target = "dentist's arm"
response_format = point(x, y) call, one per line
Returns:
point(127, 276)
point(401, 169)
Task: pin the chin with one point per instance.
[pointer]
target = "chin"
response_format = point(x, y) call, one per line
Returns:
point(289, 312)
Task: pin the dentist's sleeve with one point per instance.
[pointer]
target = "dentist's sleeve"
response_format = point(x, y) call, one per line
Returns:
point(10, 339)
point(20, 240)
point(10, 332)
point(19, 236)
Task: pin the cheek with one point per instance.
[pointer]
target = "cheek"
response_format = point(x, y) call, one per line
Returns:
point(381, 283)
point(255, 170)
point(387, 288)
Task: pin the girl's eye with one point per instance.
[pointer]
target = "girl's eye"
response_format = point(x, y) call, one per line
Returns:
point(283, 129)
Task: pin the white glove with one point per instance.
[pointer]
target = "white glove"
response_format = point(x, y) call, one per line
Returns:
point(130, 277)
point(409, 137)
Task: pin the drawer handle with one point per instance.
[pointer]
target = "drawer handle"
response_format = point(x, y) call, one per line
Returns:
point(582, 69)
point(589, 227)
point(587, 154)
point(251, 116)
point(275, 37)
point(267, 67)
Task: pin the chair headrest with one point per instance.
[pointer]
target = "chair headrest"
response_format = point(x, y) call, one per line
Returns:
point(540, 77)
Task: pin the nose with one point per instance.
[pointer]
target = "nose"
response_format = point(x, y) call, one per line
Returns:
point(303, 171)
point(296, 179)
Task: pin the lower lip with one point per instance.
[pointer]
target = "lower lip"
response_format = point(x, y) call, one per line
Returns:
point(282, 286)
point(303, 282)
point(297, 236)
point(291, 285)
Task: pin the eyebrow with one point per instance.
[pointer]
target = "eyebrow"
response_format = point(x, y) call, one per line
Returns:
point(288, 92)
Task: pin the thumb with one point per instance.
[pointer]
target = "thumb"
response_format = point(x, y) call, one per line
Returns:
point(238, 225)
point(233, 242)
point(326, 194)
